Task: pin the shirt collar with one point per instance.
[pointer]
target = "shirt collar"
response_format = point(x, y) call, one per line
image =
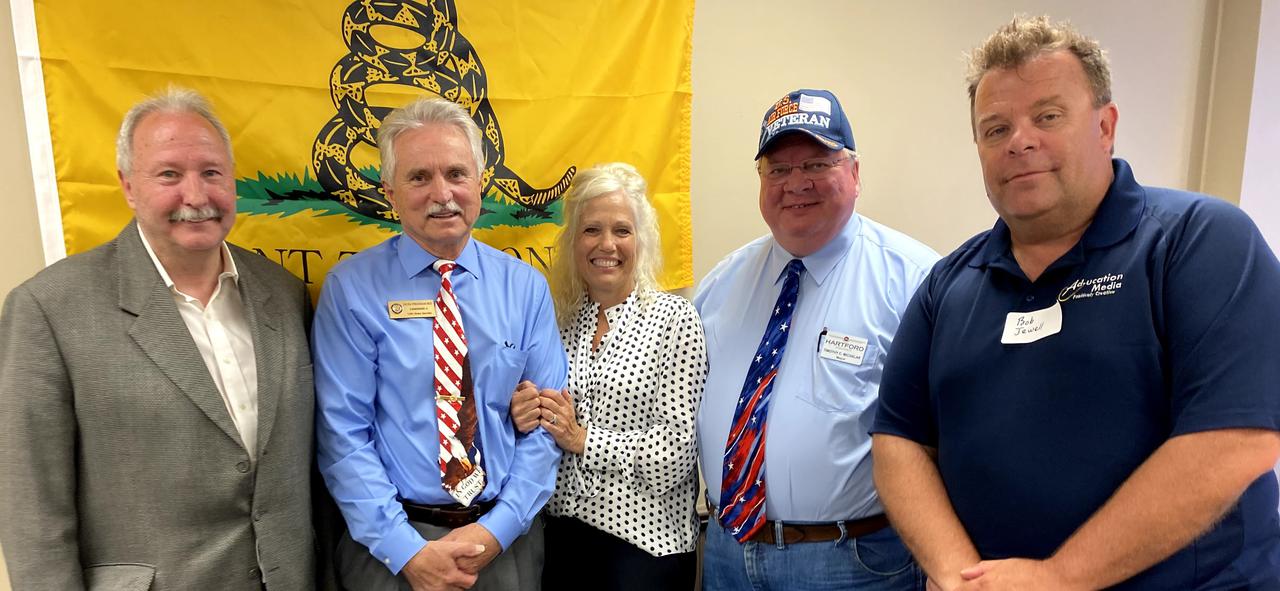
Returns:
point(415, 259)
point(1120, 211)
point(588, 309)
point(228, 264)
point(612, 313)
point(1116, 218)
point(819, 264)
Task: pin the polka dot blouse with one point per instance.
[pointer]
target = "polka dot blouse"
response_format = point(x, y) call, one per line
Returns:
point(637, 396)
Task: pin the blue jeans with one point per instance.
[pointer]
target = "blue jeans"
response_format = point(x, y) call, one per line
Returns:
point(877, 561)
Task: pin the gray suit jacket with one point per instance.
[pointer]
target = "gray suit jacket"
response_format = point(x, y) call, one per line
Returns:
point(120, 467)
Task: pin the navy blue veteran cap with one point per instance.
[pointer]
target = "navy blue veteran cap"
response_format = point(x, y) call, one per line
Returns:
point(814, 112)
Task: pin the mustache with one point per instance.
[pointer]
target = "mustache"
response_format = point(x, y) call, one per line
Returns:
point(196, 214)
point(446, 207)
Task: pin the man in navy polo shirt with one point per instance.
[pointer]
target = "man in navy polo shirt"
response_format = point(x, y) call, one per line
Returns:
point(1085, 395)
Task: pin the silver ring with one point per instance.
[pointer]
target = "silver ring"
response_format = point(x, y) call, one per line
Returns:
point(553, 419)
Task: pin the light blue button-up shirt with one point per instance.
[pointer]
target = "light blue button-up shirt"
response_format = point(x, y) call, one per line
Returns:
point(817, 449)
point(376, 434)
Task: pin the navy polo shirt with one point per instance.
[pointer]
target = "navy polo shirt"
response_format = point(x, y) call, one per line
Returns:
point(1170, 310)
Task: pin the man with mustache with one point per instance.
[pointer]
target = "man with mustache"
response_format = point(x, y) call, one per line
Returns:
point(419, 343)
point(1084, 396)
point(156, 398)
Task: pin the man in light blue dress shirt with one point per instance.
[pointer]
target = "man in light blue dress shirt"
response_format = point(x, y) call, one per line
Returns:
point(377, 434)
point(825, 527)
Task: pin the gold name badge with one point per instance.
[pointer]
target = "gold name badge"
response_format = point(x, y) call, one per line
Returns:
point(401, 309)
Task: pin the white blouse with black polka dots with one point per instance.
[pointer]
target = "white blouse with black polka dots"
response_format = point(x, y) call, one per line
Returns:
point(637, 396)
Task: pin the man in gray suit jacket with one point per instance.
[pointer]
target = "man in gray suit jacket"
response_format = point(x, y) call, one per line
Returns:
point(156, 398)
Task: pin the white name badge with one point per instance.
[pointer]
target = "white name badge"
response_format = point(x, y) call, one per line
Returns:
point(1021, 328)
point(842, 348)
point(401, 309)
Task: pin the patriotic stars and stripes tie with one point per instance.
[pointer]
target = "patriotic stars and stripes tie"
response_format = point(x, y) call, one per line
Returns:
point(742, 488)
point(460, 470)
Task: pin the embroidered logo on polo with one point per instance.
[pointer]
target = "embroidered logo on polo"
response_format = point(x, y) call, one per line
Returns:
point(1102, 285)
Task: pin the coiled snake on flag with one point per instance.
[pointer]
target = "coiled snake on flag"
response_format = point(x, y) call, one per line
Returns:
point(446, 65)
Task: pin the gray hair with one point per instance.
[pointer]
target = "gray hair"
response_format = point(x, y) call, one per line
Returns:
point(1024, 39)
point(619, 178)
point(173, 100)
point(422, 112)
point(853, 159)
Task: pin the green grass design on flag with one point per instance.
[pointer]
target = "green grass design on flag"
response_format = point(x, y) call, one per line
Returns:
point(286, 194)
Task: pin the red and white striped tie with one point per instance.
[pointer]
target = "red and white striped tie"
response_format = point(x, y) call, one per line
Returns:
point(460, 470)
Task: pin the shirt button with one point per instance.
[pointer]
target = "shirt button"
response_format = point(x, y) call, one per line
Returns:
point(242, 467)
point(386, 561)
point(1031, 298)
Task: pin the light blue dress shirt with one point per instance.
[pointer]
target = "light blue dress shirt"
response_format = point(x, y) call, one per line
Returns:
point(817, 449)
point(376, 434)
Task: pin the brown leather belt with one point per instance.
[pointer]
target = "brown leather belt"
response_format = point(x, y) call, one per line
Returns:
point(450, 516)
point(794, 533)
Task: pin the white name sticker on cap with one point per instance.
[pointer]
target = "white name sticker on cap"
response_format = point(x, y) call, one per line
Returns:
point(1021, 328)
point(842, 348)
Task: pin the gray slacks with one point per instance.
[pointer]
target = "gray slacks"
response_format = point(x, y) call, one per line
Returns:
point(518, 568)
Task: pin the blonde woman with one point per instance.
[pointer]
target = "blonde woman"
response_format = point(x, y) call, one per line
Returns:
point(622, 515)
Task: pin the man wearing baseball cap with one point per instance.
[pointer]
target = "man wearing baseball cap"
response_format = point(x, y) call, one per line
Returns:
point(797, 325)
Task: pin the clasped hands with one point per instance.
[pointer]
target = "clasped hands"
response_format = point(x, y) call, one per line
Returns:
point(453, 561)
point(553, 410)
point(1011, 573)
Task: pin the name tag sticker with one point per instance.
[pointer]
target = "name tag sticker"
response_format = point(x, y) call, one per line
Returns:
point(842, 347)
point(401, 309)
point(1021, 328)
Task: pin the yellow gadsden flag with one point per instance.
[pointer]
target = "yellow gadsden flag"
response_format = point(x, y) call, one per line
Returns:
point(302, 87)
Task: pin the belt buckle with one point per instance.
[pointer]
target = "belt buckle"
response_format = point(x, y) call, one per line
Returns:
point(459, 515)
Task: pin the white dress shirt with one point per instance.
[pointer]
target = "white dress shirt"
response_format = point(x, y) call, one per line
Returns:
point(221, 332)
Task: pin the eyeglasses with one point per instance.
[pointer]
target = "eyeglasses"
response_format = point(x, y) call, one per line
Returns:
point(776, 173)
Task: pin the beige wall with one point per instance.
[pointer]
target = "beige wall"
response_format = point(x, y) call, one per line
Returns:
point(1229, 93)
point(1261, 176)
point(25, 256)
point(897, 68)
point(20, 252)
